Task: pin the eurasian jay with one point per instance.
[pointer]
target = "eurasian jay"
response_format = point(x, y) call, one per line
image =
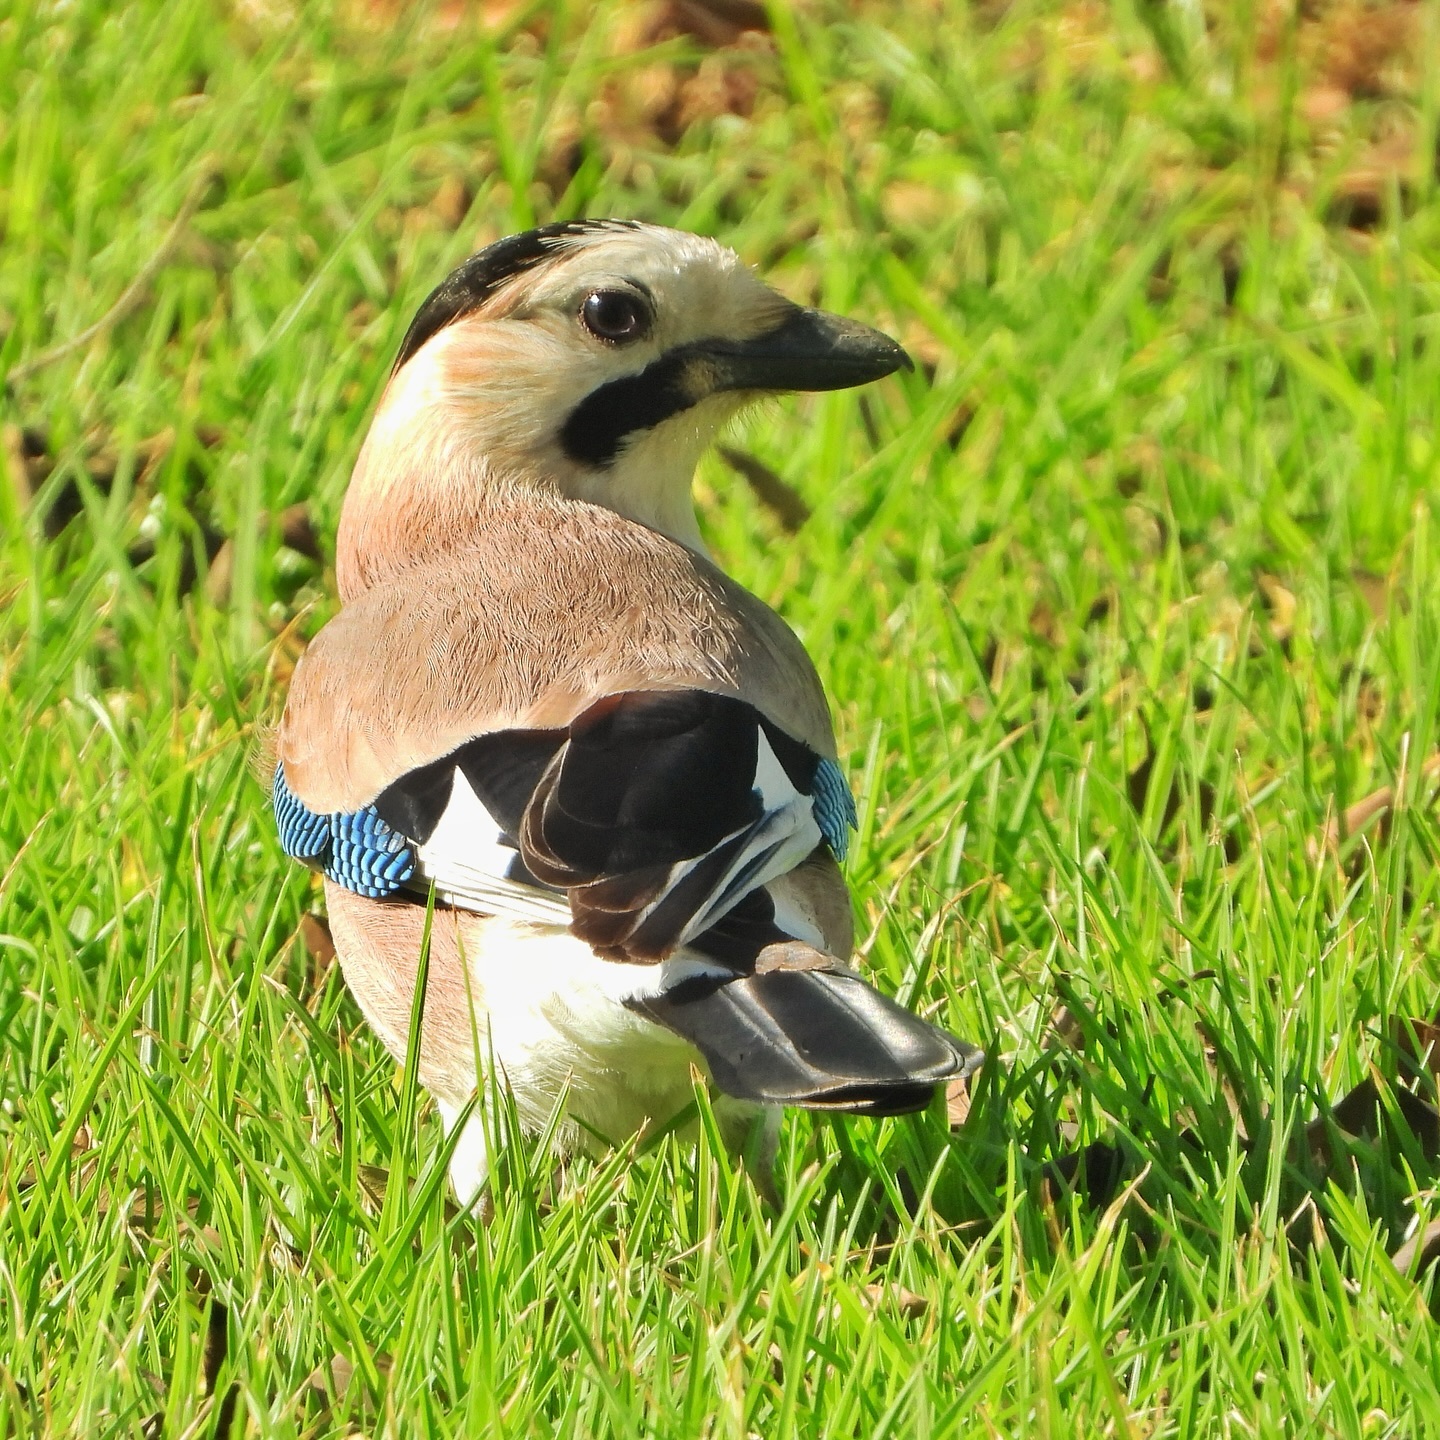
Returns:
point(541, 699)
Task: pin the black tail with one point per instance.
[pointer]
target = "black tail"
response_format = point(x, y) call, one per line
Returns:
point(813, 1038)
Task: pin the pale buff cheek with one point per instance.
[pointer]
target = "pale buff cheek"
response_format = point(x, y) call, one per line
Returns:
point(444, 441)
point(478, 412)
point(651, 480)
point(510, 386)
point(502, 392)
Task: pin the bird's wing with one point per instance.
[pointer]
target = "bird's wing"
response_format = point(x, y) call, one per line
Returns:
point(572, 714)
point(652, 820)
point(597, 729)
point(816, 1036)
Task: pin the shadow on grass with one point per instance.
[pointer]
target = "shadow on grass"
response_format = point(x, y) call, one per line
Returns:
point(1209, 1161)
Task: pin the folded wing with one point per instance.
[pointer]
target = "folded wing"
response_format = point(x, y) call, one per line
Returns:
point(646, 821)
point(656, 822)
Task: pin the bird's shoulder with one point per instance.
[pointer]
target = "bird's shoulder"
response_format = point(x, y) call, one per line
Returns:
point(539, 613)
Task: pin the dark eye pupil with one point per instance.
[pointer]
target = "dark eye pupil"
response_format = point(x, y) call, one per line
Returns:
point(614, 315)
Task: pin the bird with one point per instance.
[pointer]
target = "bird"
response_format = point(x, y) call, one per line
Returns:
point(548, 742)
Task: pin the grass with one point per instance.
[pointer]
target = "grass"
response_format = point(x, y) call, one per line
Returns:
point(1124, 599)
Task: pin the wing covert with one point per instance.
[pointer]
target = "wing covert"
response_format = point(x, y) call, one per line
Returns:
point(643, 824)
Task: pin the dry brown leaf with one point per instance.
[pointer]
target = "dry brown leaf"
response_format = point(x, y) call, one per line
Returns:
point(444, 17)
point(30, 464)
point(1377, 802)
point(913, 205)
point(957, 1101)
point(18, 462)
point(1137, 787)
point(297, 530)
point(1419, 1042)
point(80, 1148)
point(1094, 1172)
point(1066, 1027)
point(373, 1180)
point(217, 1343)
point(791, 955)
point(907, 1302)
point(1363, 47)
point(1363, 191)
point(334, 1379)
point(1282, 605)
point(1363, 1114)
point(451, 202)
point(774, 493)
point(149, 452)
point(1422, 1249)
point(1043, 624)
point(659, 101)
point(720, 86)
point(1362, 812)
point(1323, 103)
point(219, 575)
point(1374, 590)
point(714, 23)
point(1144, 529)
point(958, 426)
point(315, 936)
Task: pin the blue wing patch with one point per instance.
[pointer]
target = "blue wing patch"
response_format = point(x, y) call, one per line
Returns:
point(834, 807)
point(356, 849)
point(367, 856)
point(304, 835)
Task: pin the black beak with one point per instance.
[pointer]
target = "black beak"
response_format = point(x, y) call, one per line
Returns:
point(809, 350)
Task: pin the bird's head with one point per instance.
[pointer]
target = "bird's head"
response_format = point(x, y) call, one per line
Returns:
point(595, 360)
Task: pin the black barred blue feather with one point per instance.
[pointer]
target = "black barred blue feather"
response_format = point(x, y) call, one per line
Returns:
point(304, 835)
point(642, 825)
point(834, 807)
point(356, 849)
point(367, 856)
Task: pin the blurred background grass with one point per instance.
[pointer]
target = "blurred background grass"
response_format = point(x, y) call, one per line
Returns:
point(1126, 599)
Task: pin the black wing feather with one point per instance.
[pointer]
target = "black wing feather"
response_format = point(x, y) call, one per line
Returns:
point(647, 810)
point(504, 768)
point(647, 813)
point(814, 1038)
point(646, 779)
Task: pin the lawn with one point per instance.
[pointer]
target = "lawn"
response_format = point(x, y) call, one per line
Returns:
point(1128, 599)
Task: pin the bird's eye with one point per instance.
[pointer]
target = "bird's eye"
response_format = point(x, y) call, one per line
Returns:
point(616, 315)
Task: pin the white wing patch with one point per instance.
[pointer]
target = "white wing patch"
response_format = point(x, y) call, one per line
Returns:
point(773, 846)
point(470, 861)
point(474, 866)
